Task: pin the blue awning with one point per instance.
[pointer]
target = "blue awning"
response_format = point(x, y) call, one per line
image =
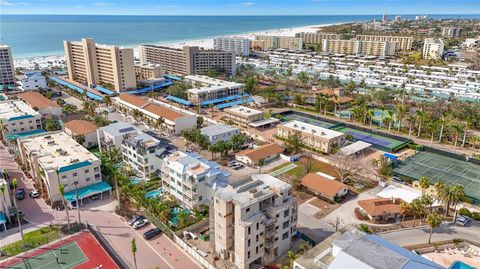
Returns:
point(88, 191)
point(2, 218)
point(20, 117)
point(172, 77)
point(76, 88)
point(179, 100)
point(25, 134)
point(104, 90)
point(223, 99)
point(390, 156)
point(73, 166)
point(152, 88)
point(239, 102)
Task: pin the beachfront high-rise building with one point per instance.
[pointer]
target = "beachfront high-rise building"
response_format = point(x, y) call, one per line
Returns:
point(355, 47)
point(433, 48)
point(403, 42)
point(253, 220)
point(451, 31)
point(385, 17)
point(266, 42)
point(146, 71)
point(189, 60)
point(316, 38)
point(107, 65)
point(239, 45)
point(7, 70)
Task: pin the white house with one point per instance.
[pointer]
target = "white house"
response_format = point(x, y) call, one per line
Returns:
point(32, 80)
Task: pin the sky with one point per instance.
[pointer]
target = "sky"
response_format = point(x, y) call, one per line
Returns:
point(232, 7)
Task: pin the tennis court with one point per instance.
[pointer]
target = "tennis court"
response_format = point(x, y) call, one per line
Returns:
point(445, 169)
point(374, 139)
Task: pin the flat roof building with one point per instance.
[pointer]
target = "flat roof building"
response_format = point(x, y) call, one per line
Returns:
point(316, 137)
point(316, 38)
point(95, 64)
point(254, 220)
point(7, 69)
point(242, 116)
point(147, 71)
point(32, 80)
point(143, 153)
point(265, 42)
point(207, 88)
point(357, 47)
point(219, 132)
point(433, 48)
point(18, 117)
point(189, 60)
point(111, 136)
point(55, 158)
point(451, 31)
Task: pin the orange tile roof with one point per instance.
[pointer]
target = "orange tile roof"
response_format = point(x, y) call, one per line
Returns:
point(81, 127)
point(35, 99)
point(378, 206)
point(132, 99)
point(163, 112)
point(327, 187)
point(261, 152)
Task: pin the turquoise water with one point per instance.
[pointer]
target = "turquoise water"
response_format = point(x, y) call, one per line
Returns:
point(174, 213)
point(154, 193)
point(461, 265)
point(48, 31)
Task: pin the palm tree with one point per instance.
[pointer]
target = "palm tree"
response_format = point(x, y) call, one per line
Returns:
point(260, 163)
point(420, 117)
point(424, 184)
point(304, 247)
point(433, 220)
point(14, 186)
point(133, 248)
point(469, 122)
point(411, 123)
point(390, 116)
point(61, 189)
point(427, 201)
point(107, 101)
point(405, 209)
point(371, 113)
point(416, 209)
point(160, 123)
point(401, 112)
point(432, 127)
point(290, 258)
point(456, 131)
point(451, 194)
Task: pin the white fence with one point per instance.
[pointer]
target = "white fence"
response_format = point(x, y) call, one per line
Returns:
point(193, 252)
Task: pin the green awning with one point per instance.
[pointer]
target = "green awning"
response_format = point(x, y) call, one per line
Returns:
point(25, 134)
point(88, 191)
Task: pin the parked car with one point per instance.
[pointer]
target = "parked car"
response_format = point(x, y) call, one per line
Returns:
point(462, 220)
point(140, 223)
point(237, 166)
point(232, 162)
point(135, 219)
point(34, 194)
point(95, 197)
point(151, 233)
point(398, 180)
point(20, 194)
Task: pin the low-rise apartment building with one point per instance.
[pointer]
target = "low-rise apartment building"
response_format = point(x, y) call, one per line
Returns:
point(18, 117)
point(451, 31)
point(433, 48)
point(254, 220)
point(143, 153)
point(316, 38)
point(191, 179)
point(55, 158)
point(265, 42)
point(42, 104)
point(32, 80)
point(111, 136)
point(315, 137)
point(154, 113)
point(207, 88)
point(219, 132)
point(147, 71)
point(189, 60)
point(403, 42)
point(239, 45)
point(356, 47)
point(242, 116)
point(261, 154)
point(83, 131)
point(7, 69)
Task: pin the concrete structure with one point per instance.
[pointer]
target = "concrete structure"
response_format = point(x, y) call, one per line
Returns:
point(324, 186)
point(207, 88)
point(266, 152)
point(242, 116)
point(403, 42)
point(355, 249)
point(357, 47)
point(155, 113)
point(55, 158)
point(191, 179)
point(265, 42)
point(7, 69)
point(433, 48)
point(146, 71)
point(17, 117)
point(189, 60)
point(316, 38)
point(42, 104)
point(5, 201)
point(95, 64)
point(30, 81)
point(239, 45)
point(219, 132)
point(451, 31)
point(82, 130)
point(110, 137)
point(143, 153)
point(398, 18)
point(254, 221)
point(313, 136)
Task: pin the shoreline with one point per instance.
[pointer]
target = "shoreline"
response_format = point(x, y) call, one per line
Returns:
point(206, 42)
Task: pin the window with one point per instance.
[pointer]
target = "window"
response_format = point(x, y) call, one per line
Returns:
point(285, 236)
point(248, 254)
point(200, 198)
point(256, 238)
point(286, 213)
point(258, 225)
point(87, 171)
point(249, 230)
point(64, 176)
point(75, 174)
point(286, 224)
point(248, 243)
point(87, 179)
point(248, 209)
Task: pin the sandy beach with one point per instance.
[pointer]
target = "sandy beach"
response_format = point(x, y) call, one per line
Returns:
point(58, 60)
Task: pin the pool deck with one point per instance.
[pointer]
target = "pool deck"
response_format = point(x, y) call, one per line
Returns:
point(446, 257)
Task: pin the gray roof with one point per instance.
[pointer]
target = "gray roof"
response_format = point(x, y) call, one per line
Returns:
point(118, 128)
point(217, 129)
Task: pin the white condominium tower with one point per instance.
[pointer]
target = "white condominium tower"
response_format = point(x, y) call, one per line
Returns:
point(239, 45)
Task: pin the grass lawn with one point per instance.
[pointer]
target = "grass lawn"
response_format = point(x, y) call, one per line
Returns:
point(299, 171)
point(33, 240)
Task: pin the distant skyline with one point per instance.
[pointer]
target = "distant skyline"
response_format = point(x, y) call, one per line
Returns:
point(231, 7)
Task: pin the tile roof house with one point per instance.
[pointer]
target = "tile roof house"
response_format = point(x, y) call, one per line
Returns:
point(267, 152)
point(323, 186)
point(381, 208)
point(82, 128)
point(42, 104)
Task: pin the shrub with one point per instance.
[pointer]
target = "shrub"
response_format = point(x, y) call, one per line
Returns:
point(475, 216)
point(360, 215)
point(464, 212)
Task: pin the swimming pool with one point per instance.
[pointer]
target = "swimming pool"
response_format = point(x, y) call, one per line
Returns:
point(135, 180)
point(154, 193)
point(460, 265)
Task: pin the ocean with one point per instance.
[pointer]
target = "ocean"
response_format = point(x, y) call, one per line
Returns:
point(43, 35)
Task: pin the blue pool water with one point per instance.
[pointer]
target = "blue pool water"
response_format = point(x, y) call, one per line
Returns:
point(461, 265)
point(135, 180)
point(154, 193)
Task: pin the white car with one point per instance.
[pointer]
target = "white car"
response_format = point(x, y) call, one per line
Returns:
point(140, 223)
point(462, 220)
point(34, 194)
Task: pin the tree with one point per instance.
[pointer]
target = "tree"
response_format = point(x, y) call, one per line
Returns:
point(183, 218)
point(457, 129)
point(433, 220)
point(294, 143)
point(200, 121)
point(450, 194)
point(80, 139)
point(52, 124)
point(405, 209)
point(260, 163)
point(401, 111)
point(133, 248)
point(14, 186)
point(424, 184)
point(346, 166)
point(3, 201)
point(420, 118)
point(304, 247)
point(364, 228)
point(61, 189)
point(250, 85)
point(416, 209)
point(107, 101)
point(291, 257)
point(238, 140)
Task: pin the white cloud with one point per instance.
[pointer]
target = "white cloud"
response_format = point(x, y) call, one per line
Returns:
point(101, 4)
point(5, 3)
point(243, 4)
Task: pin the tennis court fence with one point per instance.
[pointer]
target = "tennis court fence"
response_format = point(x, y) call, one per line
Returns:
point(106, 245)
point(452, 155)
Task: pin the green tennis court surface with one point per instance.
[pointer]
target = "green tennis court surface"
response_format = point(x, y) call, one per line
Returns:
point(374, 139)
point(69, 256)
point(445, 169)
